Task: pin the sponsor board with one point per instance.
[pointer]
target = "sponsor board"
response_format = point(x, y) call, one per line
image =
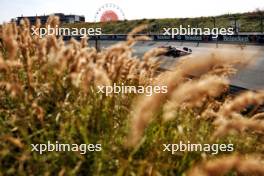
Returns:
point(254, 39)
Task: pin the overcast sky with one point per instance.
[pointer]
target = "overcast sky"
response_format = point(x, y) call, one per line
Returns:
point(133, 9)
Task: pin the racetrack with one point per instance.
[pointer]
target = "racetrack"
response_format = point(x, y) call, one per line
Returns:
point(251, 77)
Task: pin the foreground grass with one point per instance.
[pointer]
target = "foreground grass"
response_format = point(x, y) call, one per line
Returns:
point(48, 93)
point(94, 121)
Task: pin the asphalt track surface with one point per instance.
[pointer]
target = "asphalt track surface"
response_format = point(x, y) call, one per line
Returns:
point(251, 77)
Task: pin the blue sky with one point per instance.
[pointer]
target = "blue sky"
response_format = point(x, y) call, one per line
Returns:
point(133, 9)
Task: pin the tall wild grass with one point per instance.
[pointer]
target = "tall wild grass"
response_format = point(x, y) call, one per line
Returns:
point(48, 91)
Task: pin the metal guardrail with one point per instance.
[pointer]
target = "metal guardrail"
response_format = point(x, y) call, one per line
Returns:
point(241, 38)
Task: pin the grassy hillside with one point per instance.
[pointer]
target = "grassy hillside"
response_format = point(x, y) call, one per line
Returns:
point(249, 22)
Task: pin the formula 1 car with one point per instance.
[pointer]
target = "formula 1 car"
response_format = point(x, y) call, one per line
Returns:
point(176, 52)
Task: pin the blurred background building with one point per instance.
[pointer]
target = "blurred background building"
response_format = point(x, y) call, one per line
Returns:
point(43, 18)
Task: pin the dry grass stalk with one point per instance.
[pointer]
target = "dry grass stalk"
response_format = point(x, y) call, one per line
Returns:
point(223, 165)
point(9, 36)
point(258, 116)
point(53, 21)
point(15, 89)
point(146, 108)
point(195, 93)
point(241, 102)
point(223, 70)
point(226, 126)
point(15, 141)
point(229, 120)
point(130, 36)
point(39, 112)
point(153, 53)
